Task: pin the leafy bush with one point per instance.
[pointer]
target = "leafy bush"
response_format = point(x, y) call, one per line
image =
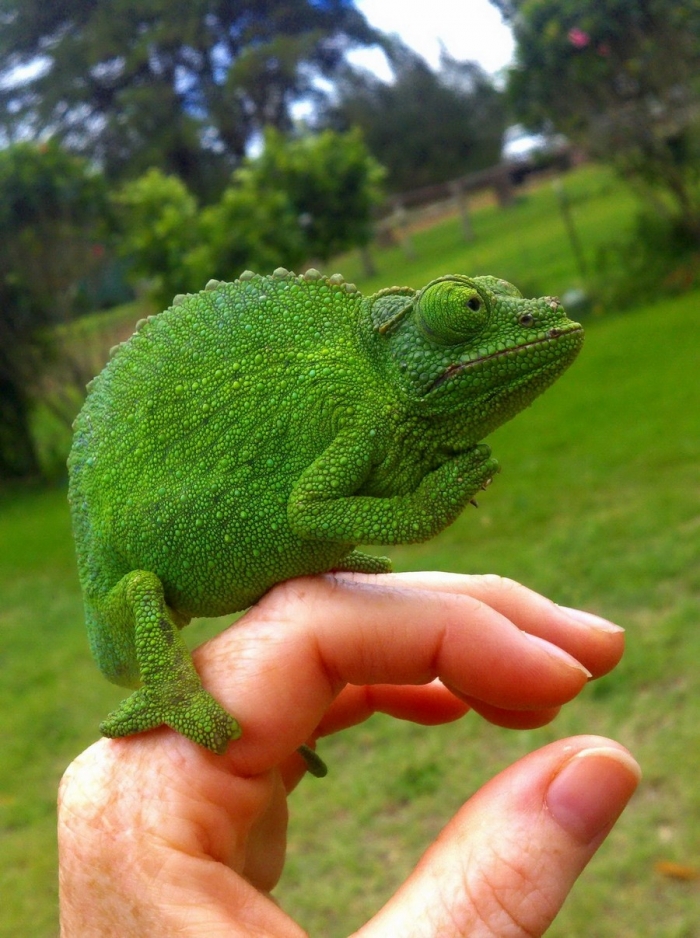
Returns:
point(53, 218)
point(659, 257)
point(332, 182)
point(160, 228)
point(253, 225)
point(53, 215)
point(304, 198)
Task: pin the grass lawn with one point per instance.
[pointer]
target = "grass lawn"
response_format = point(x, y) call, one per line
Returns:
point(598, 505)
point(526, 243)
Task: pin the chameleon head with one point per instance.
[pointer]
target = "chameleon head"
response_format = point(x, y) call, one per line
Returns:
point(472, 350)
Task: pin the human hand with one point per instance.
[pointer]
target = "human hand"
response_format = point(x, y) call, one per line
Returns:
point(158, 836)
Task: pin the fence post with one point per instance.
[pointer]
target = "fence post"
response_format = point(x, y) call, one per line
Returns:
point(459, 194)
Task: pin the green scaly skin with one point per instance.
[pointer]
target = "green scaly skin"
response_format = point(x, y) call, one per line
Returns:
point(259, 430)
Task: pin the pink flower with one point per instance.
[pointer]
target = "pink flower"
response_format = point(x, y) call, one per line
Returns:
point(578, 38)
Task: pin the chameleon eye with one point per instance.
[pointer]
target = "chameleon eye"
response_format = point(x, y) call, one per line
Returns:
point(450, 313)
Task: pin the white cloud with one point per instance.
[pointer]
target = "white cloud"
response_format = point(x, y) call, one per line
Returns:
point(469, 29)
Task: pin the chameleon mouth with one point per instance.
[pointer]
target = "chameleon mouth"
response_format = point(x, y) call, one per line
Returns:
point(475, 363)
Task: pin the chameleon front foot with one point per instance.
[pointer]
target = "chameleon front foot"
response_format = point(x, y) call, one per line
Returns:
point(195, 715)
point(359, 562)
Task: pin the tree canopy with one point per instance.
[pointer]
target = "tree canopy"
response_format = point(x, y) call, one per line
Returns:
point(178, 84)
point(621, 76)
point(425, 127)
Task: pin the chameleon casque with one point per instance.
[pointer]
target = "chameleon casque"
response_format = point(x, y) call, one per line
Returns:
point(259, 430)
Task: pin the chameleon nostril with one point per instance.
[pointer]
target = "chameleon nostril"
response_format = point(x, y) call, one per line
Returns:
point(554, 333)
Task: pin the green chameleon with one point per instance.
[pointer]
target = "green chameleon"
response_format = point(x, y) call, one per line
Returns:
point(259, 430)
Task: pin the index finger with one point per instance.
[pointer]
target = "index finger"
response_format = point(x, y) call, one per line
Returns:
point(280, 667)
point(596, 642)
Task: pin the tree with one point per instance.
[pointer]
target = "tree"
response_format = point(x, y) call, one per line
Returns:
point(301, 198)
point(332, 182)
point(621, 76)
point(52, 212)
point(178, 84)
point(425, 127)
point(159, 222)
point(177, 246)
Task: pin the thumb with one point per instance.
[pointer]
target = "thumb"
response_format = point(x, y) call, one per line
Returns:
point(507, 860)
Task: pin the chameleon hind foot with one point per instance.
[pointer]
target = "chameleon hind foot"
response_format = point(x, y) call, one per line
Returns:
point(200, 719)
point(194, 714)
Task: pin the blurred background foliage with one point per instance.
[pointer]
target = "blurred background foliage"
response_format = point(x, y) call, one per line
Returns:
point(148, 146)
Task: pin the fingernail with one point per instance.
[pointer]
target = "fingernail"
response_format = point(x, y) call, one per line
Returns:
point(554, 651)
point(589, 793)
point(593, 622)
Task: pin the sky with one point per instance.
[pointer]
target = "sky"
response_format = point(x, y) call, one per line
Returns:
point(469, 29)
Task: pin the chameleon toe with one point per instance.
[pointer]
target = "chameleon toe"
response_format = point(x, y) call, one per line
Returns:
point(200, 718)
point(136, 714)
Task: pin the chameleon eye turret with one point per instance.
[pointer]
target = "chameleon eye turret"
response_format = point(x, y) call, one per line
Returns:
point(449, 312)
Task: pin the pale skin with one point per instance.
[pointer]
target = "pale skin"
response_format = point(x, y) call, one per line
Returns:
point(157, 836)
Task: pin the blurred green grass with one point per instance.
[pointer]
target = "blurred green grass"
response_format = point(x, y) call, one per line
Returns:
point(597, 505)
